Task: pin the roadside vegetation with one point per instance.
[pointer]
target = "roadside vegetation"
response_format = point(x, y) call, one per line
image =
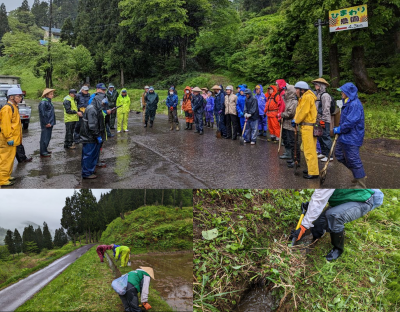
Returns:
point(152, 228)
point(24, 264)
point(252, 248)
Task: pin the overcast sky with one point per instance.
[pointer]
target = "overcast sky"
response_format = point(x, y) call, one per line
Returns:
point(13, 4)
point(18, 206)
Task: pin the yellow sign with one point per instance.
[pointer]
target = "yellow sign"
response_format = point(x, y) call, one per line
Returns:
point(349, 18)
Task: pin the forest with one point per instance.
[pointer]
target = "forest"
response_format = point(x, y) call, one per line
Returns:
point(133, 42)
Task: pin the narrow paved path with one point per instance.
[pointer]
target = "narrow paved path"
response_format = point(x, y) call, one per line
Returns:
point(17, 294)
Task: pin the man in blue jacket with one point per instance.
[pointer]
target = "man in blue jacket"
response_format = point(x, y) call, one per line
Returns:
point(240, 106)
point(82, 100)
point(219, 109)
point(351, 130)
point(47, 118)
point(172, 103)
point(262, 119)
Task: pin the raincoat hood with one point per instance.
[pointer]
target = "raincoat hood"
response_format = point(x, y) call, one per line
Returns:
point(281, 84)
point(290, 93)
point(261, 89)
point(350, 90)
point(274, 92)
point(188, 88)
point(242, 88)
point(322, 87)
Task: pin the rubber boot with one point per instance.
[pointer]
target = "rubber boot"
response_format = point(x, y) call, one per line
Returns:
point(177, 127)
point(212, 125)
point(187, 126)
point(337, 240)
point(151, 124)
point(265, 133)
point(171, 126)
point(360, 183)
point(190, 126)
point(145, 124)
point(260, 132)
point(287, 154)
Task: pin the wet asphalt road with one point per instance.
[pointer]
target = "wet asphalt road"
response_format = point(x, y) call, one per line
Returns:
point(17, 294)
point(160, 158)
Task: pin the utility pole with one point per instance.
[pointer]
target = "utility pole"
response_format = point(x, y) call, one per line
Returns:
point(49, 74)
point(319, 24)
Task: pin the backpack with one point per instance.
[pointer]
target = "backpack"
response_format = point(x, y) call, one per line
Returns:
point(333, 104)
point(12, 108)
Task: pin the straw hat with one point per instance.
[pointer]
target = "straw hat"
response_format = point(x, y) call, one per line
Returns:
point(149, 271)
point(47, 91)
point(197, 89)
point(321, 80)
point(205, 89)
point(216, 88)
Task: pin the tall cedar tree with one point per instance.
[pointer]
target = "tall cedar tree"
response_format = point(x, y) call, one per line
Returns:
point(24, 6)
point(9, 242)
point(47, 240)
point(17, 241)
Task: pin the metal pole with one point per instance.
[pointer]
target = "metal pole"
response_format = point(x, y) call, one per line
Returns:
point(49, 79)
point(320, 47)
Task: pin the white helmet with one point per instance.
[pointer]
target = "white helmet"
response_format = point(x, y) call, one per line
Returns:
point(14, 91)
point(302, 85)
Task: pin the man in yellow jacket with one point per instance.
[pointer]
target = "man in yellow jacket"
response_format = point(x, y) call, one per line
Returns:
point(306, 117)
point(10, 135)
point(125, 255)
point(123, 112)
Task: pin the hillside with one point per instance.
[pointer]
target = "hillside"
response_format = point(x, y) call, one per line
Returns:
point(153, 228)
point(252, 248)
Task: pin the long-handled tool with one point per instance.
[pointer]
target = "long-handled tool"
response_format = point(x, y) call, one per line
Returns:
point(295, 160)
point(242, 137)
point(280, 138)
point(304, 207)
point(322, 175)
point(218, 134)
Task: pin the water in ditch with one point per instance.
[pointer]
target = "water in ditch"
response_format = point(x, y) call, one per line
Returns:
point(260, 299)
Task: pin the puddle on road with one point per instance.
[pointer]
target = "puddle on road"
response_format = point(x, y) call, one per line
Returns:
point(173, 277)
point(259, 299)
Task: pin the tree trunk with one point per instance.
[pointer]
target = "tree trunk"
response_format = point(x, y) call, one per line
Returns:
point(183, 52)
point(122, 216)
point(80, 241)
point(86, 236)
point(73, 239)
point(180, 205)
point(397, 40)
point(122, 78)
point(334, 65)
point(174, 196)
point(362, 80)
point(162, 198)
point(145, 197)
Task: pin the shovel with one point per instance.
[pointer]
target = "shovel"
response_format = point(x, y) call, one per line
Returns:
point(242, 137)
point(322, 176)
point(218, 134)
point(296, 161)
point(303, 213)
point(280, 139)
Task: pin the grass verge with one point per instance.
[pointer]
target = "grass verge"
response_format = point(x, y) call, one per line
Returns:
point(252, 245)
point(24, 265)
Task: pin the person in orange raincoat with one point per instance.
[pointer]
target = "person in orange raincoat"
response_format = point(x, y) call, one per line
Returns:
point(272, 110)
point(187, 108)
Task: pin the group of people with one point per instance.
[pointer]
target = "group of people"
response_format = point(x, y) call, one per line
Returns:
point(138, 280)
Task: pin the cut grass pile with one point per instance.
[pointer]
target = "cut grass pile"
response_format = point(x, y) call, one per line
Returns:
point(252, 245)
point(152, 228)
point(23, 265)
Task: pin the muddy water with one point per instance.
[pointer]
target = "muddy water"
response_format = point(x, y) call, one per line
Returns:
point(258, 300)
point(173, 277)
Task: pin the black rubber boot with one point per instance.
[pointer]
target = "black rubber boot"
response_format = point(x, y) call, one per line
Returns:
point(191, 126)
point(151, 124)
point(337, 240)
point(187, 126)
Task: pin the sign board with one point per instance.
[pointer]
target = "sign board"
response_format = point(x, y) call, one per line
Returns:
point(348, 19)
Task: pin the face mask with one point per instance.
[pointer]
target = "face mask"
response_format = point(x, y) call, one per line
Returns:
point(172, 93)
point(187, 91)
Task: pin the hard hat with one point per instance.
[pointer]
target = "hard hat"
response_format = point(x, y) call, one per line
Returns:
point(302, 85)
point(14, 91)
point(229, 88)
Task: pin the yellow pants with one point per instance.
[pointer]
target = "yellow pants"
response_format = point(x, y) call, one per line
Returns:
point(125, 258)
point(7, 156)
point(310, 149)
point(122, 120)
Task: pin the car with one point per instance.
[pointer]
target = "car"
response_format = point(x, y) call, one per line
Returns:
point(24, 110)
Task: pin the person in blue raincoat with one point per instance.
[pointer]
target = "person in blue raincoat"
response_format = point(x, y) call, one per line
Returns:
point(240, 106)
point(172, 103)
point(114, 247)
point(262, 119)
point(210, 110)
point(351, 132)
point(219, 109)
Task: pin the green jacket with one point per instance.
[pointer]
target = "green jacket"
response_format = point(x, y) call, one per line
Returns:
point(112, 98)
point(151, 100)
point(70, 109)
point(136, 277)
point(341, 196)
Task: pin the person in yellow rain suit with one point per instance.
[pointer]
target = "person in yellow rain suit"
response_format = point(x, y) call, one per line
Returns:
point(10, 135)
point(123, 112)
point(125, 254)
point(306, 117)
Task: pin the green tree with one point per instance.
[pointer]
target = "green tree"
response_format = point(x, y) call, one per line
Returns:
point(4, 253)
point(39, 238)
point(24, 6)
point(9, 242)
point(28, 236)
point(4, 27)
point(17, 241)
point(67, 32)
point(47, 240)
point(31, 247)
point(70, 216)
point(40, 9)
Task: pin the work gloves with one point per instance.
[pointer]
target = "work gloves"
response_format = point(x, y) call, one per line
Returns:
point(10, 143)
point(293, 123)
point(247, 116)
point(336, 130)
point(146, 306)
point(99, 140)
point(171, 109)
point(298, 234)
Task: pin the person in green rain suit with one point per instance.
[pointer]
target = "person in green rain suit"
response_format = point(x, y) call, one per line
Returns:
point(123, 112)
point(125, 255)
